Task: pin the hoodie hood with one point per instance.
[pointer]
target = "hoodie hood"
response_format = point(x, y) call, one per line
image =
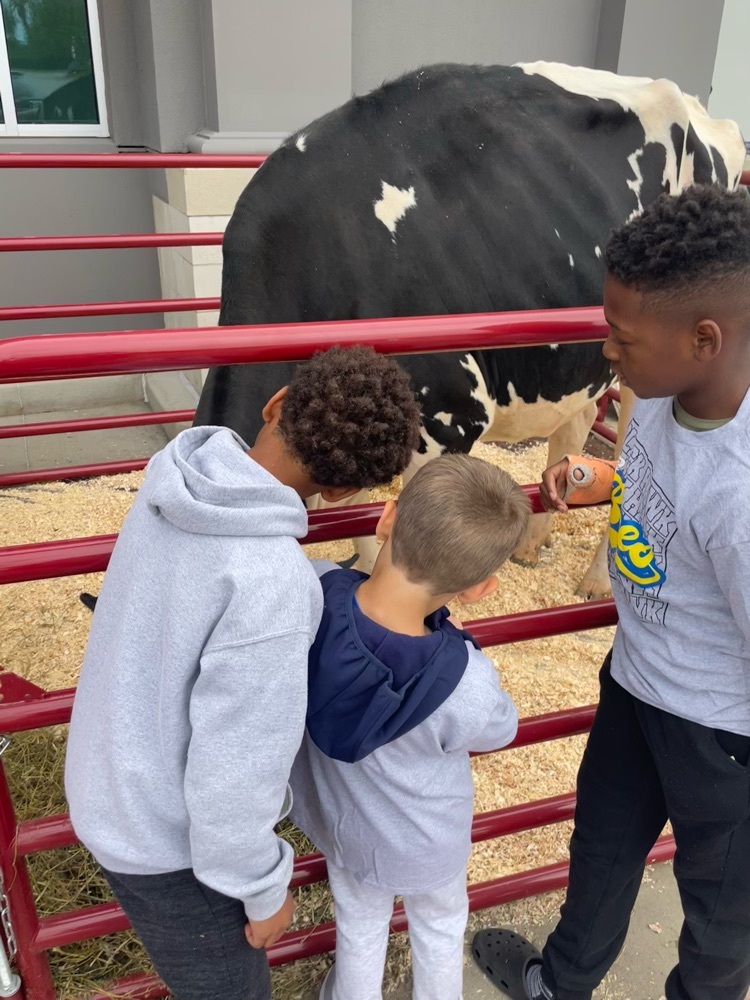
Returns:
point(367, 686)
point(205, 482)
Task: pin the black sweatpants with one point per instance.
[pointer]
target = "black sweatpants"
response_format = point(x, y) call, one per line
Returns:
point(641, 767)
point(194, 936)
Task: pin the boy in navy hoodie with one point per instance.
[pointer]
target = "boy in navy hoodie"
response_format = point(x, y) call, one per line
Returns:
point(398, 696)
point(191, 701)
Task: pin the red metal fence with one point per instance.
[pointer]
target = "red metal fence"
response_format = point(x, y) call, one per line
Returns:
point(79, 161)
point(24, 706)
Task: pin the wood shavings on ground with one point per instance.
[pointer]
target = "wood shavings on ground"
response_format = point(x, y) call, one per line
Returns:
point(43, 631)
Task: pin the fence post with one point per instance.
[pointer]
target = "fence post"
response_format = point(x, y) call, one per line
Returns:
point(33, 965)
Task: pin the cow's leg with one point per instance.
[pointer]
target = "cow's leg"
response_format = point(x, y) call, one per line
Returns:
point(568, 439)
point(366, 548)
point(596, 583)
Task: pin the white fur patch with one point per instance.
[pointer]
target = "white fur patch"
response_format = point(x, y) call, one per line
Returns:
point(393, 205)
point(434, 450)
point(443, 417)
point(636, 185)
point(520, 420)
point(301, 142)
point(659, 104)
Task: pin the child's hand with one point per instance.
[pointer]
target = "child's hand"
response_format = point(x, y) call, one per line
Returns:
point(264, 933)
point(553, 486)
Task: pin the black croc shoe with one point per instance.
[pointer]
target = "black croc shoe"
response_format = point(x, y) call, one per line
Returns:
point(504, 956)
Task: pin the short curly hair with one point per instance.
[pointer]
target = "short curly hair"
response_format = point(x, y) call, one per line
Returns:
point(350, 417)
point(682, 244)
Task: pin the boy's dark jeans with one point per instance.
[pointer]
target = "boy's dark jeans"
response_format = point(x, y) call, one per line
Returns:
point(642, 766)
point(194, 936)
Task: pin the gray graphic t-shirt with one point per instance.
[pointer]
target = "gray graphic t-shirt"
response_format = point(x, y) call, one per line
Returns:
point(679, 559)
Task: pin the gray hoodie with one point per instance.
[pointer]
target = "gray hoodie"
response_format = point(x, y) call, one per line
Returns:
point(399, 819)
point(192, 696)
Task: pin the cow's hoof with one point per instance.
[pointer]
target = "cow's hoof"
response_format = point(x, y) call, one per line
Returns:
point(594, 589)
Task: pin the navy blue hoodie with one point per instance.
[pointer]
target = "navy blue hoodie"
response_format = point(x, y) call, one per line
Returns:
point(369, 685)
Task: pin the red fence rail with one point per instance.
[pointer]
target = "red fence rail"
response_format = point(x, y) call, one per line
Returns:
point(135, 307)
point(96, 423)
point(24, 706)
point(121, 352)
point(126, 241)
point(127, 161)
point(75, 355)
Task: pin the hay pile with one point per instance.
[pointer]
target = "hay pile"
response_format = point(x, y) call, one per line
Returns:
point(43, 630)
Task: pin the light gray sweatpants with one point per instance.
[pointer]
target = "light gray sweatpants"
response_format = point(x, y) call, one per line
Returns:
point(437, 923)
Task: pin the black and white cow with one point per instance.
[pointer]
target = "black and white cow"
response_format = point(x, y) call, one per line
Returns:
point(462, 189)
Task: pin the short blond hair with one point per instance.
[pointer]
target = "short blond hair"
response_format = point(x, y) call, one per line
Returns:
point(458, 520)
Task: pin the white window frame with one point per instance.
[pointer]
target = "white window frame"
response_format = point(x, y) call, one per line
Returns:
point(12, 128)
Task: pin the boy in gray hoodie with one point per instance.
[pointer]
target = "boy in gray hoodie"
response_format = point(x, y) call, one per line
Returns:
point(192, 696)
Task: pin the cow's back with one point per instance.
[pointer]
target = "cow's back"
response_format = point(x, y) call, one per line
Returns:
point(454, 189)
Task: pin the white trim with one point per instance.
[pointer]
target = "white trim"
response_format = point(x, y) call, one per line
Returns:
point(49, 129)
point(62, 131)
point(8, 127)
point(97, 64)
point(207, 140)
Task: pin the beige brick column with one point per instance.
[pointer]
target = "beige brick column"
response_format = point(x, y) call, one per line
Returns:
point(200, 200)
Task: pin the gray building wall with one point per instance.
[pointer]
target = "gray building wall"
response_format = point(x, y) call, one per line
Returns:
point(390, 37)
point(170, 48)
point(287, 63)
point(62, 202)
point(730, 97)
point(676, 39)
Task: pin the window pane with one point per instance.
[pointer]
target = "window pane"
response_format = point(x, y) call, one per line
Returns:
point(50, 61)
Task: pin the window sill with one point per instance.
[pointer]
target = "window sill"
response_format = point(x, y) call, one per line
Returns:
point(56, 144)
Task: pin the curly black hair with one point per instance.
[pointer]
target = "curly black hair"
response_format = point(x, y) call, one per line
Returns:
point(683, 243)
point(351, 417)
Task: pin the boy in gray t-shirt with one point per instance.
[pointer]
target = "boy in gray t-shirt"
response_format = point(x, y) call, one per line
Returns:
point(671, 737)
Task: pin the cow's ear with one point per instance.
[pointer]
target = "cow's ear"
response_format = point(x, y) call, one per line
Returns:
point(386, 522)
point(478, 591)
